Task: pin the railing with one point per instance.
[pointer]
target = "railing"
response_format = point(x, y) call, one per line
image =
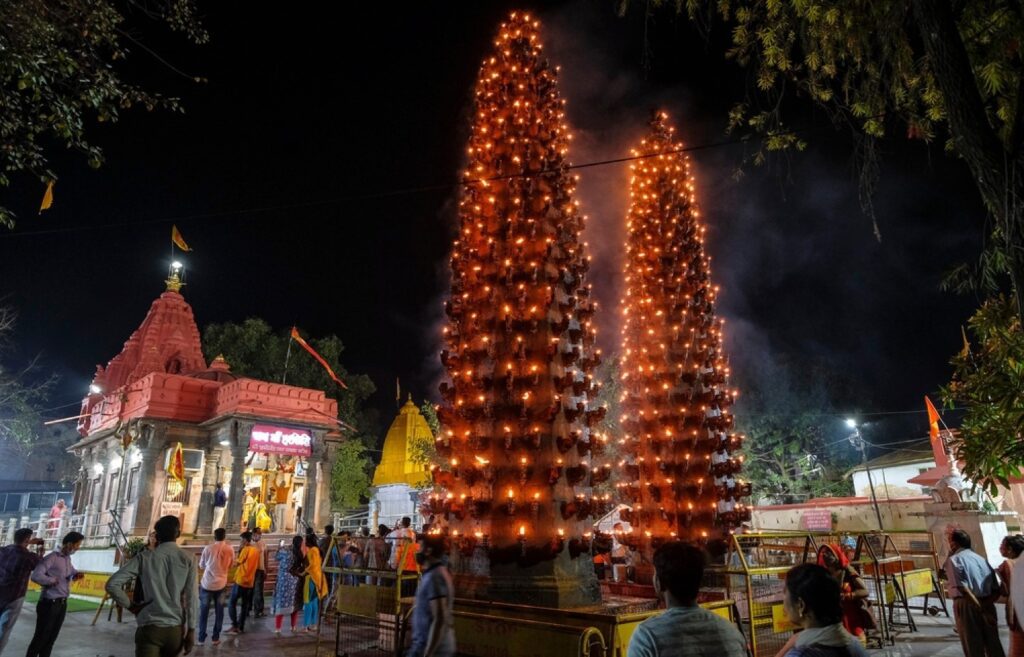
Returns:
point(352, 522)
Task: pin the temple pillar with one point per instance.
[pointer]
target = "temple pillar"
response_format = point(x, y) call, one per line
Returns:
point(211, 474)
point(241, 433)
point(309, 513)
point(150, 445)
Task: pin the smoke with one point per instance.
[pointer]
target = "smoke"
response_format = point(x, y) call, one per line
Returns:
point(802, 276)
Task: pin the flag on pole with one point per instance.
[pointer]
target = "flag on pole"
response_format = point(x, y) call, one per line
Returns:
point(177, 240)
point(176, 465)
point(938, 448)
point(398, 391)
point(47, 198)
point(318, 357)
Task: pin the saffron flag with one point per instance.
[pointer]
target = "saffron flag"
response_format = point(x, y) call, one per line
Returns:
point(938, 448)
point(177, 240)
point(176, 466)
point(47, 198)
point(318, 357)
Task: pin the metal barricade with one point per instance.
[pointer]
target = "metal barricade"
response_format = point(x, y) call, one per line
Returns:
point(920, 556)
point(753, 576)
point(371, 609)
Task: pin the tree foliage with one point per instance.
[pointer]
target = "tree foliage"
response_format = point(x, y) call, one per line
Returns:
point(917, 70)
point(422, 449)
point(252, 348)
point(350, 475)
point(22, 392)
point(60, 69)
point(988, 381)
point(794, 448)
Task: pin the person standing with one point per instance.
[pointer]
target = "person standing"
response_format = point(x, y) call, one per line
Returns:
point(1012, 547)
point(974, 587)
point(403, 537)
point(166, 612)
point(433, 624)
point(684, 628)
point(811, 601)
point(215, 562)
point(314, 588)
point(261, 572)
point(857, 619)
point(16, 565)
point(245, 578)
point(376, 553)
point(55, 574)
point(220, 505)
point(287, 595)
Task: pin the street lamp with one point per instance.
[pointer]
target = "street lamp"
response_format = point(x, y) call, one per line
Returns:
point(857, 440)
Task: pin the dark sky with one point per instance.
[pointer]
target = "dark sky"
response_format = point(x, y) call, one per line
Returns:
point(289, 174)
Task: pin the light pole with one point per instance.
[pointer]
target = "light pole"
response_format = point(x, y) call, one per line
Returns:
point(857, 440)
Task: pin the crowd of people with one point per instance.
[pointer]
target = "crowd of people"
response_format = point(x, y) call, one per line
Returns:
point(826, 601)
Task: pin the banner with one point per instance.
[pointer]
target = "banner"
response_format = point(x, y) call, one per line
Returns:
point(268, 439)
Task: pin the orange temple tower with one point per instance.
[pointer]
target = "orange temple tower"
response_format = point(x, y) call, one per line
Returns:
point(517, 411)
point(679, 473)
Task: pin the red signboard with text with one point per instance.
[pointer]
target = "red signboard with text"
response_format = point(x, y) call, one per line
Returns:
point(817, 520)
point(268, 439)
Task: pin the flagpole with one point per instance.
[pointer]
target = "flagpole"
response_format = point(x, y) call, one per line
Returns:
point(287, 355)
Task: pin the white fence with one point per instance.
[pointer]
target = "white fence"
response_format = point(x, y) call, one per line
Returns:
point(96, 526)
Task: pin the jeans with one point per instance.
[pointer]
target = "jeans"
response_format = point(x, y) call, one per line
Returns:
point(245, 593)
point(205, 597)
point(157, 641)
point(49, 617)
point(257, 592)
point(8, 615)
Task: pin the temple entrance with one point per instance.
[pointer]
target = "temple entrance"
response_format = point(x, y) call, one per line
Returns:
point(274, 485)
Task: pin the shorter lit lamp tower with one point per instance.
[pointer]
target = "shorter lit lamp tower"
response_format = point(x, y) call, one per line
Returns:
point(857, 440)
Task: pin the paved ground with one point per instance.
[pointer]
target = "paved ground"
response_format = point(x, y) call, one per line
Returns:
point(934, 638)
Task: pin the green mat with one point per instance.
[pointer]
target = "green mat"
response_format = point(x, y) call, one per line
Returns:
point(74, 604)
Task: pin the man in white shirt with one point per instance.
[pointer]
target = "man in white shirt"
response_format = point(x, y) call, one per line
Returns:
point(400, 538)
point(215, 562)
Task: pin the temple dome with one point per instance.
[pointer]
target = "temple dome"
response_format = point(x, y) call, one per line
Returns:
point(396, 465)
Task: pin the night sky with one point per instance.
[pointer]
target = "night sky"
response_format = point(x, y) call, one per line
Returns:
point(313, 173)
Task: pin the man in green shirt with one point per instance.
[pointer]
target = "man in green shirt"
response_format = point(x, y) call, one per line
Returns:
point(169, 604)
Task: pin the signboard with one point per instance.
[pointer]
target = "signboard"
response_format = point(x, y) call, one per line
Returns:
point(915, 583)
point(91, 585)
point(170, 509)
point(268, 439)
point(817, 520)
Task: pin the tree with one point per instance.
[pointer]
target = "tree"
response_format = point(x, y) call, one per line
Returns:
point(896, 69)
point(22, 393)
point(254, 349)
point(423, 450)
point(61, 69)
point(350, 475)
point(988, 381)
point(795, 450)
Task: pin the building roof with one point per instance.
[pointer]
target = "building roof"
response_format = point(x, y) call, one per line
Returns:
point(160, 373)
point(919, 451)
point(396, 464)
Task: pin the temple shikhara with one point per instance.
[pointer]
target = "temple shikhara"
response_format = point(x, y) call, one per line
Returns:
point(517, 447)
point(400, 476)
point(264, 442)
point(681, 464)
